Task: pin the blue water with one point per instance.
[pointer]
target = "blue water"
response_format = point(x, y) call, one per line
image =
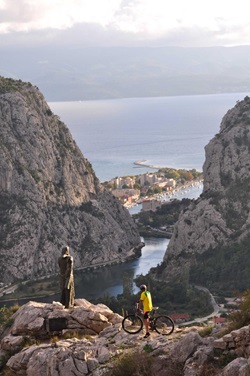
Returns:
point(165, 131)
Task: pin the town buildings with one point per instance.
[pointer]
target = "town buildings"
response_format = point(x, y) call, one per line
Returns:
point(123, 189)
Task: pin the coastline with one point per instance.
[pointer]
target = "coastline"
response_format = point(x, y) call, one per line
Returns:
point(141, 163)
point(187, 190)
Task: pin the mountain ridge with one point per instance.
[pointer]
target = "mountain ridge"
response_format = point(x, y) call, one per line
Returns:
point(77, 73)
point(220, 218)
point(50, 195)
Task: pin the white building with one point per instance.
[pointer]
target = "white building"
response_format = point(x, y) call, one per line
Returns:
point(150, 178)
point(120, 182)
point(150, 205)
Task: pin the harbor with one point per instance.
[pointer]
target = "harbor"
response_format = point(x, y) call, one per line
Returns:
point(191, 191)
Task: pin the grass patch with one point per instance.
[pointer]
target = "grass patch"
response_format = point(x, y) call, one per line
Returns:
point(148, 348)
point(5, 315)
point(205, 332)
point(132, 364)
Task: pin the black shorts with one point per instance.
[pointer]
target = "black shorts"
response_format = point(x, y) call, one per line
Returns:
point(145, 315)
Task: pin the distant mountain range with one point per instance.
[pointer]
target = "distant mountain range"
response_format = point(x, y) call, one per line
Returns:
point(99, 73)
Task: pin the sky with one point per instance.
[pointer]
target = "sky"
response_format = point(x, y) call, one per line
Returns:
point(186, 23)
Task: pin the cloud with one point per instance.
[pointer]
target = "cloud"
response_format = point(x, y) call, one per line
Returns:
point(123, 22)
point(20, 15)
point(31, 15)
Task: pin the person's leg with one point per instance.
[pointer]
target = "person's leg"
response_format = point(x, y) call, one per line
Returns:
point(146, 323)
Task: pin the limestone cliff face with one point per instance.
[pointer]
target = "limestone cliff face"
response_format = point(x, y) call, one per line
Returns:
point(221, 215)
point(49, 194)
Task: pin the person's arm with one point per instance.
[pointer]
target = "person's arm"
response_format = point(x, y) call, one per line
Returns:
point(140, 303)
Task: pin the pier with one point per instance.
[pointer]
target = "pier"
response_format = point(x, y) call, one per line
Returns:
point(142, 163)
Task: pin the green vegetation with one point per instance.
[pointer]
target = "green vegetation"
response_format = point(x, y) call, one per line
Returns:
point(31, 289)
point(205, 332)
point(148, 348)
point(5, 315)
point(132, 364)
point(181, 174)
point(142, 363)
point(223, 269)
point(241, 317)
point(171, 298)
point(8, 85)
point(166, 215)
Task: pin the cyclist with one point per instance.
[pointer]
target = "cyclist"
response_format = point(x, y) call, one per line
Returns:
point(145, 302)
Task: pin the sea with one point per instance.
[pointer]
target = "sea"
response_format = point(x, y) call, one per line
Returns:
point(162, 131)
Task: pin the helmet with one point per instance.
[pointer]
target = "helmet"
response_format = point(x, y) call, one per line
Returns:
point(143, 287)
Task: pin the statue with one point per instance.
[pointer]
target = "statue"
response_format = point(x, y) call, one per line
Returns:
point(66, 278)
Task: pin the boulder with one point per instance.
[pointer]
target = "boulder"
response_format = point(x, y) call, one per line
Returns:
point(33, 318)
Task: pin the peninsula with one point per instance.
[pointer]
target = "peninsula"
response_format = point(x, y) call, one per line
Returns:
point(142, 163)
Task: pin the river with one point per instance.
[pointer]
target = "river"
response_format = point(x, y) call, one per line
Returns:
point(109, 280)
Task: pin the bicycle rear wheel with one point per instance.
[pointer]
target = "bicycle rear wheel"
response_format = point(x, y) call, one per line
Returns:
point(164, 325)
point(132, 324)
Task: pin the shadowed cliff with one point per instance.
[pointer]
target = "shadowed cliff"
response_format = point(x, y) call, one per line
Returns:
point(49, 194)
point(210, 240)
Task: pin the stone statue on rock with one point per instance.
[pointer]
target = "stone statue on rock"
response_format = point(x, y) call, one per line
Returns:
point(65, 262)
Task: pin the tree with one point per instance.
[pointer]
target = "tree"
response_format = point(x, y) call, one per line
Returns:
point(170, 173)
point(137, 186)
point(128, 284)
point(157, 190)
point(185, 174)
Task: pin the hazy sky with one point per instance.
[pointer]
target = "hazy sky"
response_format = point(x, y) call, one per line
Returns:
point(124, 22)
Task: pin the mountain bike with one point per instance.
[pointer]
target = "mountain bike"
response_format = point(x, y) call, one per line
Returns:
point(162, 324)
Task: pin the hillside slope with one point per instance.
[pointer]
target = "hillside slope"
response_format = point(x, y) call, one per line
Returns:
point(218, 223)
point(49, 194)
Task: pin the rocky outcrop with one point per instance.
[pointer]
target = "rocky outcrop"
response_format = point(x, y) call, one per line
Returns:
point(49, 194)
point(93, 342)
point(221, 216)
point(35, 323)
point(41, 319)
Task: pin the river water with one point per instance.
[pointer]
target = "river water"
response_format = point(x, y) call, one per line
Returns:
point(109, 280)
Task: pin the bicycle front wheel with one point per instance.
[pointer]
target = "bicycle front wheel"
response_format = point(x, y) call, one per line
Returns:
point(132, 324)
point(164, 325)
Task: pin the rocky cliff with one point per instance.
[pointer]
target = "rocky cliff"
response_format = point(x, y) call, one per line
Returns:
point(220, 218)
point(49, 194)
